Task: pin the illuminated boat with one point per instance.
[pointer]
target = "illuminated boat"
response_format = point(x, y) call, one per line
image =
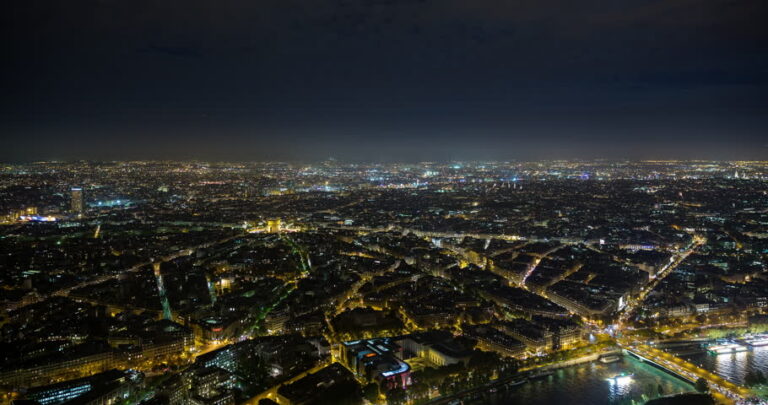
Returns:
point(609, 359)
point(763, 341)
point(621, 377)
point(727, 348)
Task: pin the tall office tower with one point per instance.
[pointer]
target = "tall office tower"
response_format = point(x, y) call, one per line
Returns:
point(78, 202)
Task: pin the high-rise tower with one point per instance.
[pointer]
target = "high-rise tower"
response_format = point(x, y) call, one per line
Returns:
point(78, 201)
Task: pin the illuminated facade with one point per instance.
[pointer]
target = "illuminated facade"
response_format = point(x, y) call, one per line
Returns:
point(34, 375)
point(377, 360)
point(77, 201)
point(273, 225)
point(103, 388)
point(212, 386)
point(436, 347)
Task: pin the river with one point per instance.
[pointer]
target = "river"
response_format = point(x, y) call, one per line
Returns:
point(733, 367)
point(587, 384)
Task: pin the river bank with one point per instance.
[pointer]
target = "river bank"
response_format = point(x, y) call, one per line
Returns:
point(573, 362)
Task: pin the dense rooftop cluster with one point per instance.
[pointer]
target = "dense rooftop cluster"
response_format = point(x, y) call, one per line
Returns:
point(219, 283)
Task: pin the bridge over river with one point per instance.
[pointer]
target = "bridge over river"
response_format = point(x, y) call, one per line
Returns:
point(685, 370)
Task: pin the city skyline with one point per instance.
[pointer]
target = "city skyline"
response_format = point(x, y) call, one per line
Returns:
point(384, 202)
point(224, 283)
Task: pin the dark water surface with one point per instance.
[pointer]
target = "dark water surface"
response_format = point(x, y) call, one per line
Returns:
point(587, 384)
point(733, 367)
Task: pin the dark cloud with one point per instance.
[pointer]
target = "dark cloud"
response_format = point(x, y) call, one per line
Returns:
point(401, 77)
point(172, 51)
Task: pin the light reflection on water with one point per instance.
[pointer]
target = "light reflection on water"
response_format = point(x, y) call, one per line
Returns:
point(588, 384)
point(619, 388)
point(733, 366)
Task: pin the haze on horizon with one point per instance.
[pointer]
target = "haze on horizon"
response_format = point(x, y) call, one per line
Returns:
point(384, 80)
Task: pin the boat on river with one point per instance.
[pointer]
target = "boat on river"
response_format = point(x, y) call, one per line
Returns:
point(621, 377)
point(727, 348)
point(610, 359)
point(758, 341)
point(541, 374)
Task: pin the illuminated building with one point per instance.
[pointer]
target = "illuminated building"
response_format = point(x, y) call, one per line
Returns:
point(424, 317)
point(86, 359)
point(536, 339)
point(107, 387)
point(566, 337)
point(77, 201)
point(175, 390)
point(217, 329)
point(437, 347)
point(490, 339)
point(212, 386)
point(224, 358)
point(273, 225)
point(61, 392)
point(378, 360)
point(276, 319)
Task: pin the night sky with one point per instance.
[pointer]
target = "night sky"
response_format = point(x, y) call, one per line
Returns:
point(384, 80)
